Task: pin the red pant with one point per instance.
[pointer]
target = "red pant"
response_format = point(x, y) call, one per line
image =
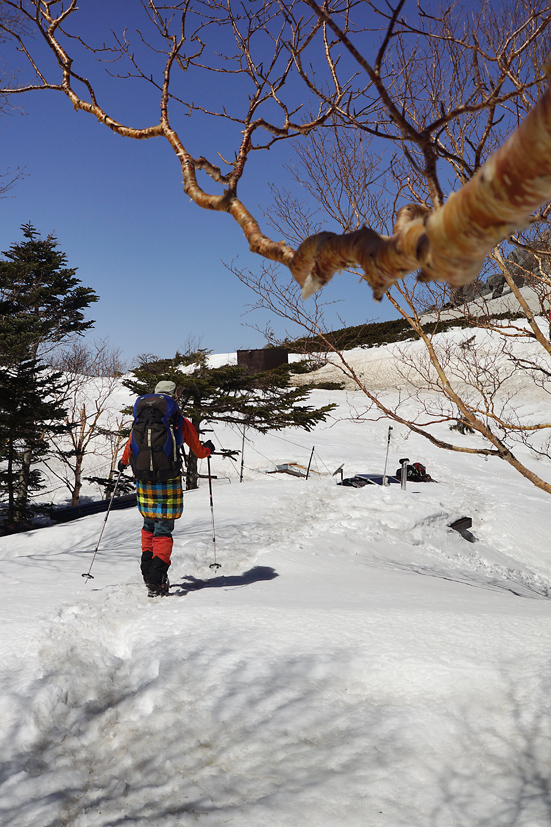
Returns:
point(159, 544)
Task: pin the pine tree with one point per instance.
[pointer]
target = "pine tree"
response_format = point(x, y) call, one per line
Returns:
point(29, 416)
point(263, 401)
point(41, 304)
point(41, 300)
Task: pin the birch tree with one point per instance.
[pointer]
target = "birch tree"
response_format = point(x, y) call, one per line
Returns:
point(344, 55)
point(92, 375)
point(475, 386)
point(10, 21)
point(455, 100)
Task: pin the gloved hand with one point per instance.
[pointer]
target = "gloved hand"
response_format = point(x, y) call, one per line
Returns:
point(208, 444)
point(121, 466)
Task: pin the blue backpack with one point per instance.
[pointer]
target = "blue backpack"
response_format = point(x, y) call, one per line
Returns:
point(154, 454)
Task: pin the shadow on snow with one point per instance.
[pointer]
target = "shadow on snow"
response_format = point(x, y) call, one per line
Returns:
point(254, 575)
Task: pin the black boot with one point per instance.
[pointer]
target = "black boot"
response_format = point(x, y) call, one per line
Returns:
point(158, 578)
point(145, 565)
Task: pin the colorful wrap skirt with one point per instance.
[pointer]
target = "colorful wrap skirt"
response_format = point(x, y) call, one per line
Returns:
point(160, 500)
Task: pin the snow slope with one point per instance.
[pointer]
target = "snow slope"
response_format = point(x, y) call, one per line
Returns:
point(354, 661)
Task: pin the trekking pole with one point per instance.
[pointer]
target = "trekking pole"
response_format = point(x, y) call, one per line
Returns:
point(214, 565)
point(310, 461)
point(386, 458)
point(87, 575)
point(243, 455)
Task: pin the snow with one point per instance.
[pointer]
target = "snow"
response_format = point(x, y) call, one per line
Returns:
point(218, 360)
point(405, 366)
point(482, 305)
point(353, 662)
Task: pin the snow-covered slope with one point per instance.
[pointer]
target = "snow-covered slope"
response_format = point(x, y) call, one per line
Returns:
point(482, 305)
point(405, 365)
point(354, 661)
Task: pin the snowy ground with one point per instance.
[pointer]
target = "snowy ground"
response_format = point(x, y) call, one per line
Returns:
point(484, 305)
point(354, 661)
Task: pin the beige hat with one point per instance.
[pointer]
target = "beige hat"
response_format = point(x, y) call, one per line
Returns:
point(167, 387)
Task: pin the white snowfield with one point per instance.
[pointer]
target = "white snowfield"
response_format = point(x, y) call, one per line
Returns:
point(353, 662)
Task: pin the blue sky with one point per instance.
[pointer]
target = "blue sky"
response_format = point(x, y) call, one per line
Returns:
point(118, 209)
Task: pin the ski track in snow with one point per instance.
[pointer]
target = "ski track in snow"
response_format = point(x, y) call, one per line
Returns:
point(355, 662)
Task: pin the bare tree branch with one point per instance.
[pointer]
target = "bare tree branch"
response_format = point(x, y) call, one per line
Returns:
point(415, 92)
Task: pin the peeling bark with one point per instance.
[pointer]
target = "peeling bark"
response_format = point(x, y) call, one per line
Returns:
point(451, 243)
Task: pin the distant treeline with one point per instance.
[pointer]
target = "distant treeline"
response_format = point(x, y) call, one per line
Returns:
point(376, 334)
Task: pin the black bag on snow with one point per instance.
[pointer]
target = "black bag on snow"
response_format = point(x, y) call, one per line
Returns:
point(415, 473)
point(154, 454)
point(354, 482)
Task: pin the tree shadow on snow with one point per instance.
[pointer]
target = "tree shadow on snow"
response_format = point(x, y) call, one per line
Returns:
point(254, 575)
point(184, 758)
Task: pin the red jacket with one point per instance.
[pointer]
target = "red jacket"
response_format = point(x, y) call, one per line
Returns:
point(189, 436)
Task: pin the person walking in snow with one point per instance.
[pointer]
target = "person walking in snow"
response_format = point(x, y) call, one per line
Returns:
point(153, 452)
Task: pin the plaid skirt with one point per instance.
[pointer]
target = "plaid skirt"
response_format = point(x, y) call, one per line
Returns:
point(160, 500)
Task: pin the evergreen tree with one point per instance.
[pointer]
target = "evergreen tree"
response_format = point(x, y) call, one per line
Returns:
point(41, 300)
point(29, 416)
point(41, 304)
point(263, 401)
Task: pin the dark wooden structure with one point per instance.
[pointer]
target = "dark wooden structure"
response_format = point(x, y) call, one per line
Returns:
point(256, 361)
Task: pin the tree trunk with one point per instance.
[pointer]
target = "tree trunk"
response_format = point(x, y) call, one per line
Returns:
point(110, 483)
point(22, 488)
point(191, 472)
point(10, 485)
point(75, 494)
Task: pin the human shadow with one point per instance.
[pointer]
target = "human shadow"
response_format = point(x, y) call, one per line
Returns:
point(254, 575)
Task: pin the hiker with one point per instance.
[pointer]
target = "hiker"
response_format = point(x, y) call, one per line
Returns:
point(158, 422)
